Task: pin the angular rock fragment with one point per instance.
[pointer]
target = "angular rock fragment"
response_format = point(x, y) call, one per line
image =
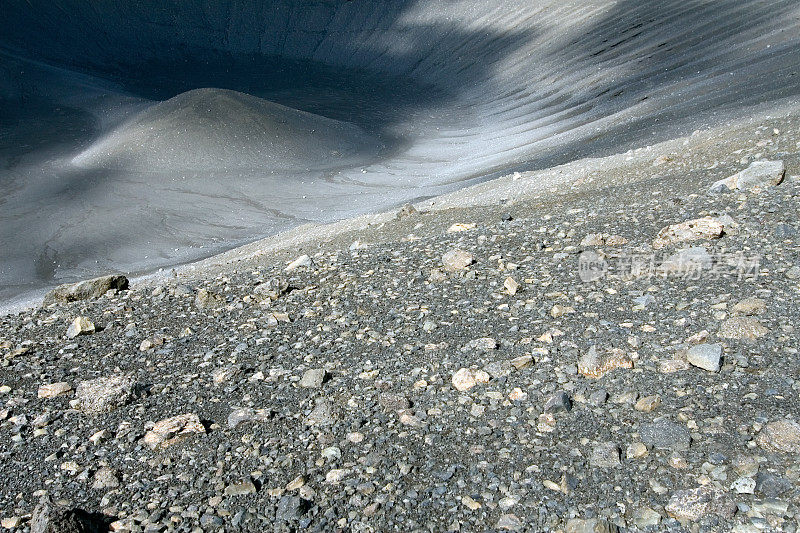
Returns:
point(693, 504)
point(780, 436)
point(510, 522)
point(105, 478)
point(105, 393)
point(206, 299)
point(665, 435)
point(51, 518)
point(750, 306)
point(558, 403)
point(84, 290)
point(312, 378)
point(393, 401)
point(460, 226)
point(759, 174)
point(171, 431)
point(742, 327)
point(511, 286)
point(593, 364)
point(484, 344)
point(464, 379)
point(303, 261)
point(51, 390)
point(273, 289)
point(457, 260)
point(321, 415)
point(705, 356)
point(247, 414)
point(224, 374)
point(691, 230)
point(605, 455)
point(241, 488)
point(80, 326)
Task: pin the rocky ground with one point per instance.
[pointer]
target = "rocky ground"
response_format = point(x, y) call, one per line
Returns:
point(619, 356)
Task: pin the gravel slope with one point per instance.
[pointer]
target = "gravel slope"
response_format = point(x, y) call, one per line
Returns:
point(377, 386)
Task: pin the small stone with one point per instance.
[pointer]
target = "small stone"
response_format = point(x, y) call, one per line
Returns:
point(336, 475)
point(595, 365)
point(499, 369)
point(321, 415)
point(793, 273)
point(750, 306)
point(296, 483)
point(80, 326)
point(645, 517)
point(693, 504)
point(429, 325)
point(51, 390)
point(206, 299)
point(558, 310)
point(408, 418)
point(511, 286)
point(104, 394)
point(648, 404)
point(273, 289)
point(744, 485)
point(470, 503)
point(670, 366)
point(772, 486)
point(598, 397)
point(459, 227)
point(84, 290)
point(242, 488)
point(105, 478)
point(742, 327)
point(393, 401)
point(246, 414)
point(517, 395)
point(291, 508)
point(11, 522)
point(665, 435)
point(546, 423)
point(313, 378)
point(780, 436)
point(636, 450)
point(605, 455)
point(691, 230)
point(590, 525)
point(558, 403)
point(510, 522)
point(523, 361)
point(304, 261)
point(705, 356)
point(224, 374)
point(457, 260)
point(463, 380)
point(171, 431)
point(484, 344)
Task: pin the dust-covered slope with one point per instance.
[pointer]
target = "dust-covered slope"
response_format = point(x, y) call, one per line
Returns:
point(219, 130)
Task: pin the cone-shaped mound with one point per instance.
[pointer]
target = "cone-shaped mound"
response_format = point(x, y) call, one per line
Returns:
point(223, 130)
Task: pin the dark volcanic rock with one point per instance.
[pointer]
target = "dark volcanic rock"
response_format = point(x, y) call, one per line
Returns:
point(48, 518)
